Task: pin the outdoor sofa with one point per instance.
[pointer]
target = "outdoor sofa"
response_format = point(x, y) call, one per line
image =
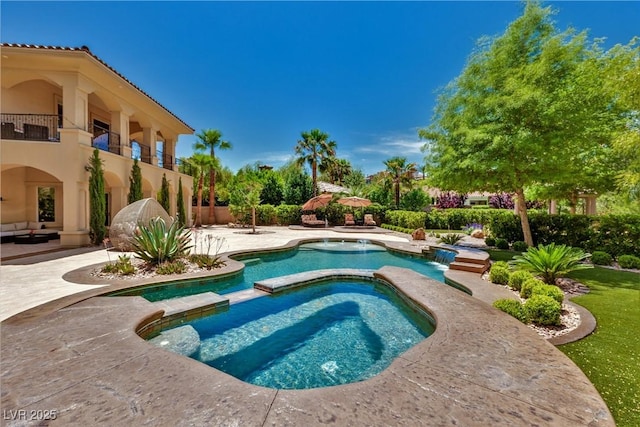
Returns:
point(9, 231)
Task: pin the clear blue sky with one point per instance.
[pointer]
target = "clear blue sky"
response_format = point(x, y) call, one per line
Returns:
point(261, 72)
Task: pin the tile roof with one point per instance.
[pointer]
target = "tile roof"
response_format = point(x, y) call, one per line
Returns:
point(88, 52)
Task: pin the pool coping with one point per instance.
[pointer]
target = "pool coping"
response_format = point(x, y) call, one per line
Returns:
point(479, 367)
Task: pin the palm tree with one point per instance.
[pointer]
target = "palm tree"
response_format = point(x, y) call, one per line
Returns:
point(209, 140)
point(313, 148)
point(202, 162)
point(399, 172)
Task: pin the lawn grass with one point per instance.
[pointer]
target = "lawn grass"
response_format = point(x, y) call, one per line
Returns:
point(610, 357)
point(502, 255)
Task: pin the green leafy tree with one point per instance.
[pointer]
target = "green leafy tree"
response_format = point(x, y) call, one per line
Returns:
point(298, 189)
point(201, 163)
point(209, 140)
point(97, 202)
point(414, 200)
point(135, 183)
point(244, 199)
point(399, 172)
point(163, 194)
point(313, 148)
point(180, 209)
point(621, 70)
point(522, 112)
point(272, 191)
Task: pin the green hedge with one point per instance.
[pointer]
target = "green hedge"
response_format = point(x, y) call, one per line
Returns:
point(614, 234)
point(406, 219)
point(288, 214)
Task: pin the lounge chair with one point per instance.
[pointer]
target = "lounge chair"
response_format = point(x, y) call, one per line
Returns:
point(348, 219)
point(312, 221)
point(368, 220)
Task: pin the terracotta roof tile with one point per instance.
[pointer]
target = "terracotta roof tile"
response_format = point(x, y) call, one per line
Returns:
point(88, 52)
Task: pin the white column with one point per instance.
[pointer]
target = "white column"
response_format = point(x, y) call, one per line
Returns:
point(75, 105)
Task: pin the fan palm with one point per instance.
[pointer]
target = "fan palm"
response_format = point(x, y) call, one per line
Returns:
point(399, 172)
point(202, 162)
point(551, 261)
point(209, 140)
point(313, 148)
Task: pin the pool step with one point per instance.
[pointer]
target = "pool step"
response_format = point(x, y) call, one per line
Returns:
point(192, 306)
point(472, 267)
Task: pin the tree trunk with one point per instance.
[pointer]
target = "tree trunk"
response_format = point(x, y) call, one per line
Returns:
point(199, 204)
point(397, 194)
point(253, 219)
point(524, 219)
point(573, 203)
point(314, 176)
point(212, 197)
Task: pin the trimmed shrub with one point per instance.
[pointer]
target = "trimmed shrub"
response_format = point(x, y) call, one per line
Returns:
point(406, 219)
point(489, 241)
point(520, 246)
point(601, 258)
point(512, 308)
point(266, 214)
point(543, 310)
point(629, 261)
point(288, 214)
point(550, 291)
point(517, 278)
point(499, 275)
point(526, 289)
point(500, 264)
point(502, 244)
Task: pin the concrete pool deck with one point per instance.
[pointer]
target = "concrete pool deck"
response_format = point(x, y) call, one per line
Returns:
point(86, 362)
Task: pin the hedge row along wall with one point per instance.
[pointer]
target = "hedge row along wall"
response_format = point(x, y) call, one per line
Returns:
point(614, 234)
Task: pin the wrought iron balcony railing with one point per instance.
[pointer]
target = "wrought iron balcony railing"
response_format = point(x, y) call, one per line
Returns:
point(30, 127)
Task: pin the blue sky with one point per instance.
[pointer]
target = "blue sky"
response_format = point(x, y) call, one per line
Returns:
point(261, 72)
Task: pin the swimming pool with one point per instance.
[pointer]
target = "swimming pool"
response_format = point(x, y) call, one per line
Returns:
point(324, 254)
point(321, 335)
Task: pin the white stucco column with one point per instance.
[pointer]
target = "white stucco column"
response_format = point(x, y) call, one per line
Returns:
point(120, 125)
point(75, 222)
point(149, 138)
point(75, 103)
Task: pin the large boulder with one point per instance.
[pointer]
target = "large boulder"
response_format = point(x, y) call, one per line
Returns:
point(418, 234)
point(125, 222)
point(478, 234)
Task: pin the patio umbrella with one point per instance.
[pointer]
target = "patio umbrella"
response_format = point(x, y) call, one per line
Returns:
point(354, 202)
point(317, 202)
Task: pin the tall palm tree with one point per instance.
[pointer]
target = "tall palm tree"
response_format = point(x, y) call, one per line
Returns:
point(313, 148)
point(209, 140)
point(399, 172)
point(202, 163)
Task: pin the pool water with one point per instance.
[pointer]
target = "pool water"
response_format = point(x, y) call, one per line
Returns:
point(309, 256)
point(320, 335)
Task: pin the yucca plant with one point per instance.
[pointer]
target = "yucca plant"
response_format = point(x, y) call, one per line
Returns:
point(156, 243)
point(551, 261)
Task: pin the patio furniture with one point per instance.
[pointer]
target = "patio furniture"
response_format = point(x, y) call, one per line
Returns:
point(36, 132)
point(312, 221)
point(30, 239)
point(368, 220)
point(348, 219)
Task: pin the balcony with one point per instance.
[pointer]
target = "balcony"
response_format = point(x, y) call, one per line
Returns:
point(30, 127)
point(105, 140)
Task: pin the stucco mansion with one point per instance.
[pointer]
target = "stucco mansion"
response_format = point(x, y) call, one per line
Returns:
point(57, 105)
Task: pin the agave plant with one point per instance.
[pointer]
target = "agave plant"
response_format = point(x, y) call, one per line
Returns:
point(156, 243)
point(551, 261)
